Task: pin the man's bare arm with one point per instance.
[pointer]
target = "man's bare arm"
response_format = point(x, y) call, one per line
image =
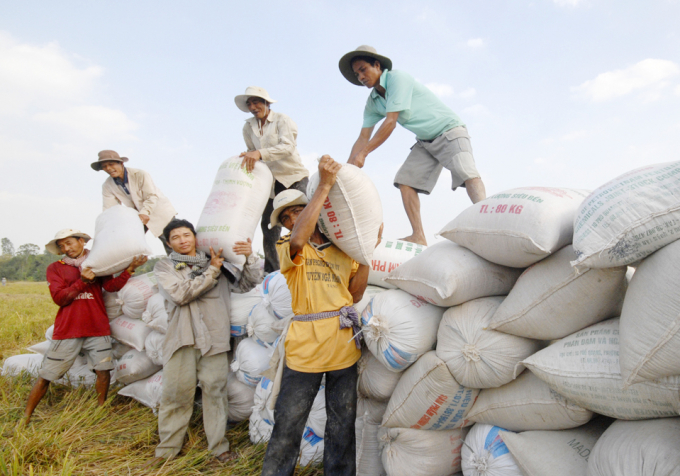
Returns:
point(389, 124)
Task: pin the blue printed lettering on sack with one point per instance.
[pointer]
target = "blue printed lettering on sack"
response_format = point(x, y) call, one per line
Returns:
point(238, 331)
point(367, 314)
point(251, 380)
point(494, 444)
point(311, 437)
point(398, 359)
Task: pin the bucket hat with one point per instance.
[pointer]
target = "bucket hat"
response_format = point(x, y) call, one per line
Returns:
point(251, 91)
point(283, 200)
point(106, 156)
point(65, 233)
point(363, 50)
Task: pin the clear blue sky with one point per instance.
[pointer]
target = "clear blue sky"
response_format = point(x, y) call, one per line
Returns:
point(564, 93)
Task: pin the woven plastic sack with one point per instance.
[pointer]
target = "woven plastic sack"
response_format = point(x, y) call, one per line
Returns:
point(40, 348)
point(133, 366)
point(398, 328)
point(156, 314)
point(118, 238)
point(352, 213)
point(16, 364)
point(584, 367)
point(234, 207)
point(375, 380)
point(485, 453)
point(147, 391)
point(276, 295)
point(479, 357)
point(136, 294)
point(427, 397)
point(369, 416)
point(262, 325)
point(527, 403)
point(153, 346)
point(406, 451)
point(370, 293)
point(629, 218)
point(241, 305)
point(132, 332)
point(517, 227)
point(388, 256)
point(112, 305)
point(551, 299)
point(241, 399)
point(250, 361)
point(261, 421)
point(446, 274)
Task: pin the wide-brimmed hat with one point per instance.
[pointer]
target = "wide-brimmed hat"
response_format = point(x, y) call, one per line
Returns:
point(251, 91)
point(363, 50)
point(106, 156)
point(283, 200)
point(65, 233)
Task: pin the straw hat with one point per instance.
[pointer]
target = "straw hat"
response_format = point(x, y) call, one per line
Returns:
point(106, 156)
point(363, 50)
point(251, 91)
point(283, 200)
point(65, 233)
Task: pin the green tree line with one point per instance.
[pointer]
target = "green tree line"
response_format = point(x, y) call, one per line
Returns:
point(28, 264)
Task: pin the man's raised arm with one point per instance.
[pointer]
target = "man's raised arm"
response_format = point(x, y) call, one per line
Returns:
point(363, 146)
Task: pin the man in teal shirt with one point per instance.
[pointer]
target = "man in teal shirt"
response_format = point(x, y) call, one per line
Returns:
point(442, 138)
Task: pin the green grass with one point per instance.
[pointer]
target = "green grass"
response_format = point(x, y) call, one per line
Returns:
point(70, 434)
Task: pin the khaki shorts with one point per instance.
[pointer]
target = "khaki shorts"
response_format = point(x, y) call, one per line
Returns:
point(451, 150)
point(62, 353)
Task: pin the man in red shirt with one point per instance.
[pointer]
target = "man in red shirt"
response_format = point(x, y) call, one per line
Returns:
point(81, 323)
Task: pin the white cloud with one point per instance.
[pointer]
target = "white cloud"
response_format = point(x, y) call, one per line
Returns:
point(40, 76)
point(568, 3)
point(441, 90)
point(475, 42)
point(469, 93)
point(649, 76)
point(92, 122)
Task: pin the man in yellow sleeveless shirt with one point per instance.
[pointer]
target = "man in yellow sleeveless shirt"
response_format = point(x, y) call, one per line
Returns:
point(322, 339)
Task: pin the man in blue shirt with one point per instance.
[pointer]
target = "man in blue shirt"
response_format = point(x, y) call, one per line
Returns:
point(442, 138)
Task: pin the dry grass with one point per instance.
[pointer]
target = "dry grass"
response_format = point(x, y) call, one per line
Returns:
point(71, 435)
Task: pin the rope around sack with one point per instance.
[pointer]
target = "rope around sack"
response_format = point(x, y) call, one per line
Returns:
point(349, 317)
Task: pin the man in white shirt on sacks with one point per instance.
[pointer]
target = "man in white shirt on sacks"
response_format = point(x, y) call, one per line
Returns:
point(134, 188)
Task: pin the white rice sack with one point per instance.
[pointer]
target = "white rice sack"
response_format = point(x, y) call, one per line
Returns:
point(477, 356)
point(132, 332)
point(261, 421)
point(352, 214)
point(527, 403)
point(375, 380)
point(241, 399)
point(372, 409)
point(517, 227)
point(153, 345)
point(262, 324)
point(629, 218)
point(49, 332)
point(427, 397)
point(133, 366)
point(557, 453)
point(650, 320)
point(370, 292)
point(112, 304)
point(118, 238)
point(80, 374)
point(136, 293)
point(156, 314)
point(406, 451)
point(250, 361)
point(446, 274)
point(551, 300)
point(398, 328)
point(147, 391)
point(30, 363)
point(240, 307)
point(485, 454)
point(276, 295)
point(311, 449)
point(388, 256)
point(637, 448)
point(40, 348)
point(234, 207)
point(584, 367)
point(317, 415)
point(368, 458)
point(119, 349)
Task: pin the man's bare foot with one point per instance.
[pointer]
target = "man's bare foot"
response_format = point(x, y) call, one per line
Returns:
point(419, 240)
point(227, 456)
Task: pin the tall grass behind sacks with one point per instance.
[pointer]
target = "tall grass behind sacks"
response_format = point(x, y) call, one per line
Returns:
point(630, 217)
point(584, 367)
point(352, 213)
point(517, 227)
point(234, 207)
point(650, 320)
